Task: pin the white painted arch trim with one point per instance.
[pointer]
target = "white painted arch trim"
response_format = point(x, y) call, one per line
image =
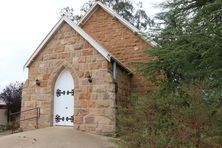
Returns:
point(87, 37)
point(114, 14)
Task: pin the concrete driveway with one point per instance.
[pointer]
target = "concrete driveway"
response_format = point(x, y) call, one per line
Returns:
point(55, 137)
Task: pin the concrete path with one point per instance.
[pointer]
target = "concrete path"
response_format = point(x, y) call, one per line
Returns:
point(55, 137)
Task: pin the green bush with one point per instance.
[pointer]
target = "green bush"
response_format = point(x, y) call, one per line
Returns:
point(166, 118)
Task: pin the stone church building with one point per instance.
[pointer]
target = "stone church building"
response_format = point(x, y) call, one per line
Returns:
point(80, 72)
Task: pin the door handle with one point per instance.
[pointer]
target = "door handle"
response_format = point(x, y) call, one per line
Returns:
point(71, 118)
point(58, 118)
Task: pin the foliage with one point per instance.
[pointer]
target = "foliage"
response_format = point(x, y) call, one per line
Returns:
point(185, 109)
point(12, 95)
point(128, 9)
point(68, 12)
point(190, 42)
point(164, 118)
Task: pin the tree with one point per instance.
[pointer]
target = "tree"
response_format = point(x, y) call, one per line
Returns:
point(130, 11)
point(12, 96)
point(190, 41)
point(185, 109)
point(68, 12)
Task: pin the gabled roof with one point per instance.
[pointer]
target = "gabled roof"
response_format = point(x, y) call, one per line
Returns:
point(114, 14)
point(86, 36)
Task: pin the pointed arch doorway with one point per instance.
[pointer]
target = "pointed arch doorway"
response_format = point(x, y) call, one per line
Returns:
point(64, 99)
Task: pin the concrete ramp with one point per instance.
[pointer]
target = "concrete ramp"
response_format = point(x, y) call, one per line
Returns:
point(55, 137)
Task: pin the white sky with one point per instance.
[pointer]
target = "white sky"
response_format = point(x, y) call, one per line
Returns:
point(24, 24)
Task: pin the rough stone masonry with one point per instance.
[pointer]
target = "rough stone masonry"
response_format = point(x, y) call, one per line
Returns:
point(95, 103)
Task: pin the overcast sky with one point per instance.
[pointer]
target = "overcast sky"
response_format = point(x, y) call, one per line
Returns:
point(24, 24)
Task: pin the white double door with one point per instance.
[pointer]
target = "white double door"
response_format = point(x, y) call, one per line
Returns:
point(64, 100)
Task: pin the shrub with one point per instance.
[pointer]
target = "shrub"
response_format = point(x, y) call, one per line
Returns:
point(166, 118)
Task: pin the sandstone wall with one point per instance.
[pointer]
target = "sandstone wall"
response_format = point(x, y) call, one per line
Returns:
point(94, 102)
point(125, 45)
point(123, 84)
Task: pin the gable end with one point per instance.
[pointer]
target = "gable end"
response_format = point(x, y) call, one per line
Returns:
point(119, 18)
point(88, 38)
